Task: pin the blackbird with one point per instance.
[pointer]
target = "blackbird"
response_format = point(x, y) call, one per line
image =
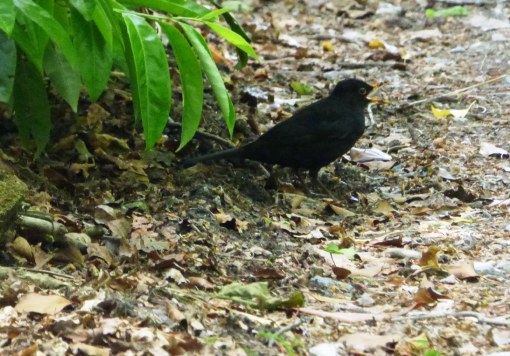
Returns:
point(313, 137)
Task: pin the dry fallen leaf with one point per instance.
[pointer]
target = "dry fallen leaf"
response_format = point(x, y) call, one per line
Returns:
point(384, 208)
point(21, 247)
point(85, 349)
point(341, 273)
point(368, 155)
point(348, 317)
point(488, 149)
point(364, 343)
point(464, 270)
point(429, 257)
point(428, 295)
point(457, 114)
point(342, 212)
point(42, 304)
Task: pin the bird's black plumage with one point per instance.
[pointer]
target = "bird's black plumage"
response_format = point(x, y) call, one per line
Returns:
point(313, 137)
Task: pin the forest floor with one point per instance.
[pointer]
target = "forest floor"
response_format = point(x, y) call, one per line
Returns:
point(410, 255)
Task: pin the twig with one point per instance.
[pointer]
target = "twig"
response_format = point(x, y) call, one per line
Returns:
point(468, 2)
point(286, 328)
point(385, 235)
point(201, 133)
point(290, 326)
point(242, 258)
point(357, 65)
point(465, 314)
point(348, 65)
point(51, 273)
point(409, 120)
point(455, 92)
point(412, 131)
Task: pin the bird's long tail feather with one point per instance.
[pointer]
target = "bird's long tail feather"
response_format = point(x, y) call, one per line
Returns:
point(232, 153)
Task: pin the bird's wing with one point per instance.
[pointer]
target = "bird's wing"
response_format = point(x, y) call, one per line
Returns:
point(311, 138)
point(309, 125)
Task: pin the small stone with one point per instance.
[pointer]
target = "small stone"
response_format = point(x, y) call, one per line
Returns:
point(365, 300)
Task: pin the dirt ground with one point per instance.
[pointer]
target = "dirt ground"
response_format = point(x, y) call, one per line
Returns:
point(407, 255)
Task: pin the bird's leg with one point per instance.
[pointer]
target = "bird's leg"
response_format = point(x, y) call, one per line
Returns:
point(314, 177)
point(301, 176)
point(272, 181)
point(300, 173)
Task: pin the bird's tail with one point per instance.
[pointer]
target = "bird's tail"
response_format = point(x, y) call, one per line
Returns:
point(232, 153)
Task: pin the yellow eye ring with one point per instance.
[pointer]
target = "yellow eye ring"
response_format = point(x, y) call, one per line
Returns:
point(363, 91)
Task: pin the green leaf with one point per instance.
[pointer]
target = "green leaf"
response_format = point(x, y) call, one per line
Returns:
point(212, 73)
point(237, 6)
point(257, 295)
point(302, 88)
point(234, 25)
point(350, 252)
point(50, 26)
point(85, 7)
point(150, 77)
point(61, 14)
point(31, 40)
point(215, 13)
point(7, 16)
point(103, 23)
point(185, 8)
point(64, 78)
point(116, 29)
point(7, 67)
point(271, 336)
point(94, 55)
point(32, 110)
point(192, 82)
point(420, 342)
point(233, 38)
point(451, 11)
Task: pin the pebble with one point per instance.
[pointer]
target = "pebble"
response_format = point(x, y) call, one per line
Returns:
point(326, 350)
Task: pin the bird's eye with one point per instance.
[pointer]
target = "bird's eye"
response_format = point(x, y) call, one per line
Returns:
point(363, 91)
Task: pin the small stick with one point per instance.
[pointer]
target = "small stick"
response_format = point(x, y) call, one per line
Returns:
point(455, 92)
point(468, 2)
point(464, 314)
point(201, 133)
point(51, 273)
point(286, 328)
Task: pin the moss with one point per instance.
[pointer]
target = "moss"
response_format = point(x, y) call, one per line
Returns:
point(12, 193)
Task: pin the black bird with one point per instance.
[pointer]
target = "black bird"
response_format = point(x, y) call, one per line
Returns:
point(313, 137)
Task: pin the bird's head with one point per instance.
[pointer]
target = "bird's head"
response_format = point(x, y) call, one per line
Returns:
point(354, 91)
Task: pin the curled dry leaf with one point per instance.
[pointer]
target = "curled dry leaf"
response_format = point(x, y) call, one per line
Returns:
point(461, 194)
point(395, 242)
point(500, 337)
point(463, 271)
point(200, 283)
point(488, 149)
point(456, 114)
point(429, 257)
point(341, 273)
point(367, 155)
point(428, 295)
point(445, 174)
point(231, 223)
point(21, 247)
